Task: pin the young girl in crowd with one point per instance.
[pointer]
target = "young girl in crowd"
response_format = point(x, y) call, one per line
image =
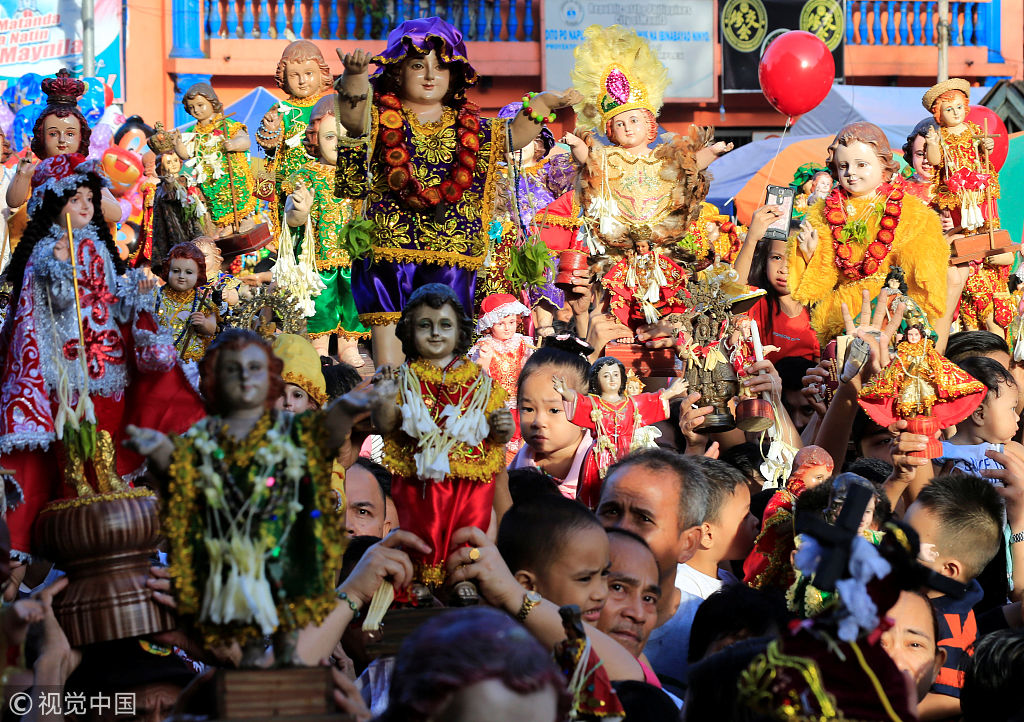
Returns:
point(781, 320)
point(553, 443)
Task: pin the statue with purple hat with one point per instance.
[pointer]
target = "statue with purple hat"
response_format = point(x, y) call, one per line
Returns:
point(426, 163)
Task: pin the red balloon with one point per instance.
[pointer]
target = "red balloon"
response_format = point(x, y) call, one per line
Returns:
point(796, 72)
point(978, 114)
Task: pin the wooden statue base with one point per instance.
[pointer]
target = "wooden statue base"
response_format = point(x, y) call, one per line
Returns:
point(104, 543)
point(299, 693)
point(397, 625)
point(968, 249)
point(646, 362)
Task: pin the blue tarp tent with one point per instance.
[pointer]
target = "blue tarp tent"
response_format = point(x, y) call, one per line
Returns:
point(249, 109)
point(895, 110)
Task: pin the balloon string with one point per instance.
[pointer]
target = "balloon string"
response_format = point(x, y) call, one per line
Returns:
point(789, 119)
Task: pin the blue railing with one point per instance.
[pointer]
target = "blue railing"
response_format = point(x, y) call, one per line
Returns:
point(915, 22)
point(479, 20)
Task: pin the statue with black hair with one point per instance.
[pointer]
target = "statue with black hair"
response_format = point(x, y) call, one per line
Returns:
point(445, 425)
point(620, 422)
point(426, 162)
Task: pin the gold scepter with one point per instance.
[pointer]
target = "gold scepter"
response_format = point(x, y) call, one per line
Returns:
point(186, 339)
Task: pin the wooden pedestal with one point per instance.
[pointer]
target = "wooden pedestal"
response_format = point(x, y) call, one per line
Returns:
point(305, 693)
point(397, 625)
point(104, 544)
point(646, 362)
point(974, 248)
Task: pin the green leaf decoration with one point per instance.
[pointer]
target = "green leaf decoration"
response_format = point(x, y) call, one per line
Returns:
point(528, 264)
point(692, 245)
point(357, 238)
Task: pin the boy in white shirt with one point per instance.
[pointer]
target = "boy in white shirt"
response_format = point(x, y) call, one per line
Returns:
point(727, 533)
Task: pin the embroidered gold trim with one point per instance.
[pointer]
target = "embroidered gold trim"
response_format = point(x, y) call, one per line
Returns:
point(81, 501)
point(380, 318)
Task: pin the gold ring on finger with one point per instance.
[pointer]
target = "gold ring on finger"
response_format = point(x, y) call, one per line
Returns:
point(474, 554)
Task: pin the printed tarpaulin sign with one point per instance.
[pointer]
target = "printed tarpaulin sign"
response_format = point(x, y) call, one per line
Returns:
point(681, 33)
point(746, 24)
point(43, 36)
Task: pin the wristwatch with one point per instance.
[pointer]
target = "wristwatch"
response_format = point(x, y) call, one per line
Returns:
point(530, 600)
point(1017, 538)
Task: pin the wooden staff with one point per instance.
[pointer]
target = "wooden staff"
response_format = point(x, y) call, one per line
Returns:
point(988, 184)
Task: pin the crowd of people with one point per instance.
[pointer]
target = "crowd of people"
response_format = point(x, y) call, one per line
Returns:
point(488, 426)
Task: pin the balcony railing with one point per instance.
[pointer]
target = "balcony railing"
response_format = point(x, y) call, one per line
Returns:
point(479, 20)
point(916, 22)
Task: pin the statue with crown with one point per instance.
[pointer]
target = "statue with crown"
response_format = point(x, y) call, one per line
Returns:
point(637, 202)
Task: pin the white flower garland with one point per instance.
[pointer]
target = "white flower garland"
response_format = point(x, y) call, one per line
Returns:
point(469, 426)
point(245, 597)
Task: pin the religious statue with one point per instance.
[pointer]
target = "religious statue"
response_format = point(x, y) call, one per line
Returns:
point(713, 235)
point(431, 160)
point(808, 181)
point(175, 210)
point(921, 386)
point(59, 130)
point(920, 181)
point(743, 343)
point(303, 74)
point(502, 351)
point(964, 181)
point(644, 285)
point(216, 152)
point(894, 294)
point(620, 423)
point(630, 192)
point(445, 426)
point(865, 225)
point(78, 349)
point(317, 221)
point(701, 344)
point(184, 306)
point(532, 179)
point(253, 543)
point(226, 290)
point(768, 565)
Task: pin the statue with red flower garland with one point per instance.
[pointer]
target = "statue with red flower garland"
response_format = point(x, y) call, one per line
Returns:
point(865, 225)
point(431, 161)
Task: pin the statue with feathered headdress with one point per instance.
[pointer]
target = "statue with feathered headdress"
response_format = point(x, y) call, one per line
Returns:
point(629, 192)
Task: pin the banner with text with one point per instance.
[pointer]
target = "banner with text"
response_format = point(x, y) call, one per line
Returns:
point(43, 36)
point(746, 24)
point(681, 32)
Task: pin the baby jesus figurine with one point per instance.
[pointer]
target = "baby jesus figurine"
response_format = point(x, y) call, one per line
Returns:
point(644, 285)
point(445, 427)
point(964, 182)
point(186, 310)
point(923, 387)
point(621, 423)
point(253, 541)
